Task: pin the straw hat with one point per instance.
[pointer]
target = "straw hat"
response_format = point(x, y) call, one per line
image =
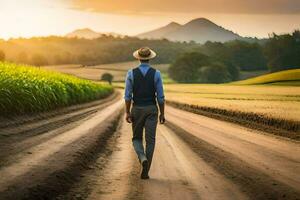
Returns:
point(144, 53)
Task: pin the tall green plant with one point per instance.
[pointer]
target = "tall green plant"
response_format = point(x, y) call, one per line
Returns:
point(25, 89)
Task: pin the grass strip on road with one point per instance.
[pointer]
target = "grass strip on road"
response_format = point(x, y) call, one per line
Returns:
point(281, 127)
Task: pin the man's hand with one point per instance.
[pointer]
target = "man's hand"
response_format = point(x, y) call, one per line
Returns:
point(128, 113)
point(128, 117)
point(162, 119)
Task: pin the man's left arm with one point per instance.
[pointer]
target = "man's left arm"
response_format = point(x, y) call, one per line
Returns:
point(128, 96)
point(160, 97)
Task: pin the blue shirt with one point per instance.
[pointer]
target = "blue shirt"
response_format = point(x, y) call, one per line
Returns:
point(144, 67)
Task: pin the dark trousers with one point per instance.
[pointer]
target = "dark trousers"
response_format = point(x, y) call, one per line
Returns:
point(144, 117)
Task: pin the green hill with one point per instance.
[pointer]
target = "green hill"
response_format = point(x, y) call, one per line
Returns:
point(288, 77)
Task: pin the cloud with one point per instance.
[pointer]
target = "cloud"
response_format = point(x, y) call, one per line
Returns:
point(188, 6)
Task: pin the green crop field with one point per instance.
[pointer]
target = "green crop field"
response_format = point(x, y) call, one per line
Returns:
point(26, 89)
point(288, 77)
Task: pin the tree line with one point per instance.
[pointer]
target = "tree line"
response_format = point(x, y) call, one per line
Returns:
point(216, 62)
point(205, 62)
point(105, 49)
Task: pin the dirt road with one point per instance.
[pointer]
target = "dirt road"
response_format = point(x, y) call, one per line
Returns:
point(196, 158)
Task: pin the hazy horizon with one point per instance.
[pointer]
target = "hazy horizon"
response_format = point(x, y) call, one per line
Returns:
point(30, 18)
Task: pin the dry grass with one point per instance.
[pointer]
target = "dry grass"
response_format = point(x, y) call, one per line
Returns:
point(277, 107)
point(291, 77)
point(281, 102)
point(118, 70)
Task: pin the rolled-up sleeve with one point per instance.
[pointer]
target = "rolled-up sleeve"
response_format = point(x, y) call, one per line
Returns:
point(159, 88)
point(128, 86)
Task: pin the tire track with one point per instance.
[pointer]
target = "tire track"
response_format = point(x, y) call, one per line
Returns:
point(279, 158)
point(53, 165)
point(108, 176)
point(195, 158)
point(20, 138)
point(178, 173)
point(17, 121)
point(254, 183)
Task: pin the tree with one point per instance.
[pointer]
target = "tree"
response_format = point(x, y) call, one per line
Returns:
point(215, 49)
point(214, 73)
point(107, 77)
point(186, 67)
point(2, 56)
point(197, 67)
point(233, 70)
point(238, 55)
point(38, 60)
point(283, 51)
point(247, 56)
point(219, 52)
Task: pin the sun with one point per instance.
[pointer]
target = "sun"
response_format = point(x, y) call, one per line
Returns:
point(27, 18)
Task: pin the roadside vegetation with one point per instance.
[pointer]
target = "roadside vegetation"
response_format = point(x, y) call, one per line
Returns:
point(27, 89)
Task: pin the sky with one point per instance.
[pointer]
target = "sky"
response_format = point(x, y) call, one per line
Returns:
point(255, 18)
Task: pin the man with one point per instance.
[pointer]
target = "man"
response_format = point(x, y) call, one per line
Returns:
point(144, 87)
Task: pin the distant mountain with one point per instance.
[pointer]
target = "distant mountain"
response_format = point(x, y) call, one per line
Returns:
point(84, 33)
point(161, 32)
point(89, 34)
point(199, 30)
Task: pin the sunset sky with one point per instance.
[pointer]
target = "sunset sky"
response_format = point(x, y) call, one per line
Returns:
point(26, 18)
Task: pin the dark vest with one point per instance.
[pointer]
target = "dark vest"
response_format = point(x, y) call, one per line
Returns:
point(144, 92)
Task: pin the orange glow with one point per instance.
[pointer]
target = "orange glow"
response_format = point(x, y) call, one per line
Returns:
point(29, 18)
point(191, 6)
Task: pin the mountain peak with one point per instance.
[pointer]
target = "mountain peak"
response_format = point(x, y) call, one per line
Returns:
point(161, 32)
point(88, 33)
point(85, 30)
point(199, 30)
point(173, 24)
point(84, 33)
point(200, 22)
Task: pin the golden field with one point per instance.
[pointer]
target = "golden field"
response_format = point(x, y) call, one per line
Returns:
point(118, 70)
point(281, 102)
point(275, 101)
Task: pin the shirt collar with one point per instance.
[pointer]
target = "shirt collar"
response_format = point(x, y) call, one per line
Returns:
point(144, 65)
